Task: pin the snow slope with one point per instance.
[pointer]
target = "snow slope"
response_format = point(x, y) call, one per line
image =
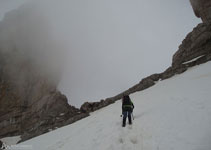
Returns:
point(11, 140)
point(175, 114)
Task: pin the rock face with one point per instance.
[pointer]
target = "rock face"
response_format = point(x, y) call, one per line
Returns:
point(93, 106)
point(30, 63)
point(202, 9)
point(33, 107)
point(194, 50)
point(196, 44)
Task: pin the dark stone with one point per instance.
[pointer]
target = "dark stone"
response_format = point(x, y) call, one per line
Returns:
point(1, 145)
point(93, 106)
point(202, 9)
point(196, 44)
point(34, 108)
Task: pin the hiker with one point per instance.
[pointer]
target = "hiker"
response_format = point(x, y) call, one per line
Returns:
point(127, 109)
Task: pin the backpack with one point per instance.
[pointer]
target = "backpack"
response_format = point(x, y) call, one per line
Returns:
point(127, 104)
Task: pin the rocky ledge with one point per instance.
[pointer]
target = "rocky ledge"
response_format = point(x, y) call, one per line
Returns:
point(194, 50)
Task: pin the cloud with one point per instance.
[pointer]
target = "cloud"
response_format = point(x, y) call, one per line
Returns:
point(97, 49)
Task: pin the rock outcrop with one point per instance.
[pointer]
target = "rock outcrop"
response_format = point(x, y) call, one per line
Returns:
point(93, 106)
point(194, 50)
point(32, 107)
point(196, 44)
point(202, 9)
point(30, 103)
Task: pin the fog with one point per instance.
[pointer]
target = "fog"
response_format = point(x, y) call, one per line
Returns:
point(98, 48)
point(27, 40)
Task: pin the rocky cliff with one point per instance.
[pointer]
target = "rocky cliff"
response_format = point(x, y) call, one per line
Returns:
point(202, 9)
point(197, 43)
point(194, 50)
point(30, 103)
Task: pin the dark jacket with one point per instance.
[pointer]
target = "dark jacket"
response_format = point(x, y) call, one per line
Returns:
point(127, 104)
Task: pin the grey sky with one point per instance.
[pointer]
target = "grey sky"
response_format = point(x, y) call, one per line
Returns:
point(8, 5)
point(113, 44)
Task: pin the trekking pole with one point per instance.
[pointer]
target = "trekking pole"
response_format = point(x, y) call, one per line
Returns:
point(132, 116)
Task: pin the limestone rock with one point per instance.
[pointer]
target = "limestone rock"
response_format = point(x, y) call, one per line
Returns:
point(202, 9)
point(196, 44)
point(194, 50)
point(30, 104)
point(93, 106)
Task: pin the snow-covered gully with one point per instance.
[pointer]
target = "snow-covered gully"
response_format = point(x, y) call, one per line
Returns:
point(172, 115)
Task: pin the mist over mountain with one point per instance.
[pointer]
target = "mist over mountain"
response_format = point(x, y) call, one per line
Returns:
point(90, 51)
point(94, 48)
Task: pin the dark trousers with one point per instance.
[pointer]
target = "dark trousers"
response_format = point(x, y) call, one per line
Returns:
point(125, 115)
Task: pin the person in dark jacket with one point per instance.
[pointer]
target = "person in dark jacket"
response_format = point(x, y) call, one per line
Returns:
point(127, 109)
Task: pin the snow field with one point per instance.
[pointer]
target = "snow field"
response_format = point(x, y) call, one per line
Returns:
point(172, 115)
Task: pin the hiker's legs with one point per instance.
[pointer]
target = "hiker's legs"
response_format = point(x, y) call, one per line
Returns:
point(124, 118)
point(129, 117)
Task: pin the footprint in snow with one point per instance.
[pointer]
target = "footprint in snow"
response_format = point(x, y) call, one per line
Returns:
point(121, 140)
point(134, 140)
